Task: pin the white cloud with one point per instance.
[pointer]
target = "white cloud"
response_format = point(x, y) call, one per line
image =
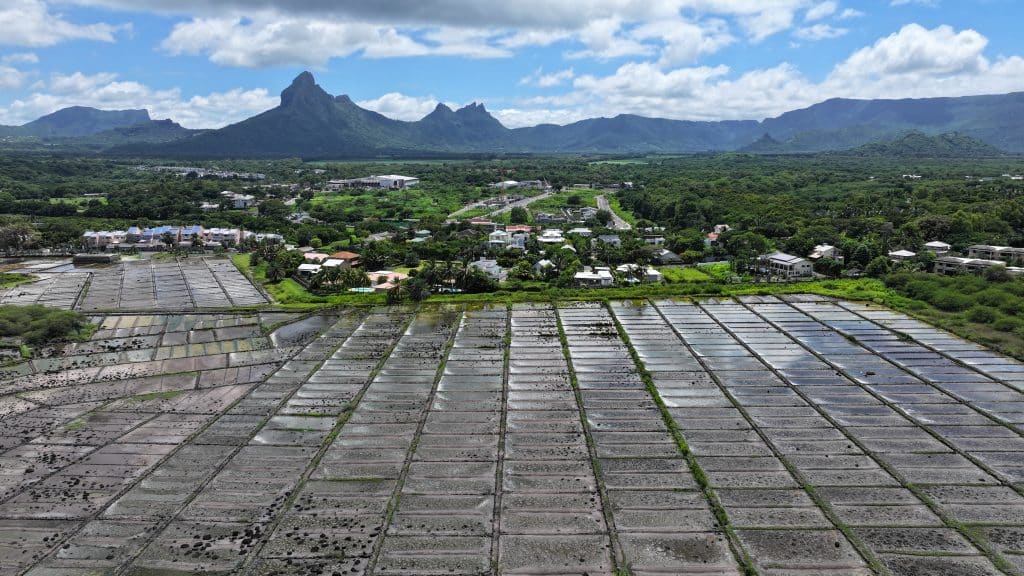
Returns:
point(267, 33)
point(819, 32)
point(823, 10)
point(915, 62)
point(541, 80)
point(265, 41)
point(30, 23)
point(850, 13)
point(20, 58)
point(105, 91)
point(603, 40)
point(685, 42)
point(400, 106)
point(519, 117)
point(11, 78)
point(918, 51)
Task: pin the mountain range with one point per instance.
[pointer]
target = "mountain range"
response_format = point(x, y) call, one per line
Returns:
point(312, 124)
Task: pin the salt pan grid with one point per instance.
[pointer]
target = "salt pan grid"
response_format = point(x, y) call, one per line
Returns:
point(794, 436)
point(156, 284)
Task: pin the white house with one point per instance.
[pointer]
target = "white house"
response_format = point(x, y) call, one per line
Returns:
point(551, 237)
point(826, 251)
point(239, 201)
point(543, 265)
point(491, 268)
point(307, 270)
point(584, 232)
point(902, 255)
point(609, 239)
point(938, 248)
point(633, 271)
point(786, 265)
point(243, 201)
point(597, 277)
point(222, 235)
point(267, 237)
point(498, 239)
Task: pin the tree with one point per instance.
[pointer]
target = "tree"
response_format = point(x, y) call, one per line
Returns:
point(521, 271)
point(878, 267)
point(476, 281)
point(829, 267)
point(376, 255)
point(167, 238)
point(276, 271)
point(274, 208)
point(997, 274)
point(604, 217)
point(18, 235)
point(861, 255)
point(519, 215)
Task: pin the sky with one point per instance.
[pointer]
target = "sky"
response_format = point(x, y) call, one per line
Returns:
point(207, 64)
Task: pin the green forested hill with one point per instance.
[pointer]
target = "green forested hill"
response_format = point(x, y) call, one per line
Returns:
point(919, 145)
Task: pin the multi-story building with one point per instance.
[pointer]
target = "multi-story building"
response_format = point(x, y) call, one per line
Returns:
point(786, 265)
point(1004, 253)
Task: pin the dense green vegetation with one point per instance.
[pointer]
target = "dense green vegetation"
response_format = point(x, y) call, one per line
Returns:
point(919, 145)
point(38, 325)
point(988, 309)
point(864, 206)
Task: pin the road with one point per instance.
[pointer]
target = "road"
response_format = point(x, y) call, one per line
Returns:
point(520, 204)
point(617, 222)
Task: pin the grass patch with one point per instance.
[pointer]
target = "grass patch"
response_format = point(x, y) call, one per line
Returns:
point(681, 275)
point(10, 280)
point(169, 395)
point(290, 294)
point(621, 212)
point(75, 425)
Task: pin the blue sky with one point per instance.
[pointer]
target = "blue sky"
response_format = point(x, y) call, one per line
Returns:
point(529, 61)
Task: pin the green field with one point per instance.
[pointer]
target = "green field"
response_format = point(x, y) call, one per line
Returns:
point(678, 275)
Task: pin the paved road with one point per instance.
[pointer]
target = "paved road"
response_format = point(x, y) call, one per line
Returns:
point(521, 204)
point(617, 222)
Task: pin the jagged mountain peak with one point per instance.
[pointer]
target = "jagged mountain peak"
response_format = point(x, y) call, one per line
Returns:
point(442, 108)
point(304, 91)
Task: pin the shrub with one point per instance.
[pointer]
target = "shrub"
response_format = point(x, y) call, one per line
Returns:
point(950, 301)
point(38, 325)
point(982, 315)
point(1005, 324)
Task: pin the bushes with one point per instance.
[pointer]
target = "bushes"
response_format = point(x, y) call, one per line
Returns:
point(38, 325)
point(982, 315)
